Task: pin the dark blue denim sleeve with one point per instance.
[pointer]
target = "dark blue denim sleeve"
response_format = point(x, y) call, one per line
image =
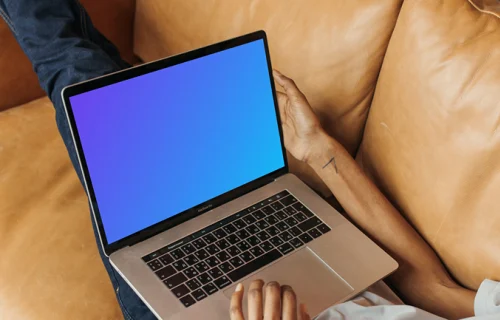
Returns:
point(64, 48)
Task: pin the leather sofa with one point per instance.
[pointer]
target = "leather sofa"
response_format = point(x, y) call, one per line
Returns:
point(411, 89)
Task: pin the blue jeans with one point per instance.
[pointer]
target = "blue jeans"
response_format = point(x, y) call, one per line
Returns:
point(65, 48)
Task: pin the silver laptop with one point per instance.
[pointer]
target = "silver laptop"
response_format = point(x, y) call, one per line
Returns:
point(187, 176)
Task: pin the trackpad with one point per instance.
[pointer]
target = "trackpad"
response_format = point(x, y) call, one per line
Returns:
point(314, 282)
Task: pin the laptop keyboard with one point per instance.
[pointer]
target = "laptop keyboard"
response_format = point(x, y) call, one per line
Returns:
point(223, 253)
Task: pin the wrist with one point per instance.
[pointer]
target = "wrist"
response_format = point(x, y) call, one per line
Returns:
point(322, 149)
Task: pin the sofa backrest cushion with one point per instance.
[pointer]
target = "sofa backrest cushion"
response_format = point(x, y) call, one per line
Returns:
point(432, 139)
point(333, 49)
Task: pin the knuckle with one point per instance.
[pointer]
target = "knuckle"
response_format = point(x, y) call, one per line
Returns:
point(234, 310)
point(254, 293)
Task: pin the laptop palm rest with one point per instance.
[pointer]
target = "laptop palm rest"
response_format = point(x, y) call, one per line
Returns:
point(307, 274)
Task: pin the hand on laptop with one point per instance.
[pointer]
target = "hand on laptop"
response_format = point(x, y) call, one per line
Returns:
point(280, 302)
point(301, 127)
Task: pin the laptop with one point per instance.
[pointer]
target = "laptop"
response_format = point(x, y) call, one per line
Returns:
point(187, 176)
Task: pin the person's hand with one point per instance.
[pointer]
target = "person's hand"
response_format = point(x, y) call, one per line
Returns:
point(280, 303)
point(301, 128)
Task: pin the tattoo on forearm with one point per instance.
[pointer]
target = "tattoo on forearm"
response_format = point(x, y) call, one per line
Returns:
point(334, 164)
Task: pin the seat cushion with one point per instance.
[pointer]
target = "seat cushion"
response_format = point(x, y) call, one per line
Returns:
point(50, 267)
point(333, 49)
point(432, 139)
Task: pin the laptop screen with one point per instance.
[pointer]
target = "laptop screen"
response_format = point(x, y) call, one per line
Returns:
point(164, 142)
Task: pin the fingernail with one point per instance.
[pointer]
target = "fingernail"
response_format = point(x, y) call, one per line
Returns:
point(239, 287)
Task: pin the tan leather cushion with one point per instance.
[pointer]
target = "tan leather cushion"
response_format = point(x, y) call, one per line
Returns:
point(332, 48)
point(18, 82)
point(49, 265)
point(432, 140)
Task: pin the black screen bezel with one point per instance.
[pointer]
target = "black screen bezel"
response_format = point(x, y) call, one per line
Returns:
point(144, 69)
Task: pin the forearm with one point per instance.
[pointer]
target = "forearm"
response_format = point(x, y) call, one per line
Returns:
point(421, 278)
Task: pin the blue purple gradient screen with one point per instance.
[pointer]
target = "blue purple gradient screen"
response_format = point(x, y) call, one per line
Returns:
point(164, 142)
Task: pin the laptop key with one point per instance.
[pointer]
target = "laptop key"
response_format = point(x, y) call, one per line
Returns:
point(175, 280)
point(209, 238)
point(199, 243)
point(282, 226)
point(212, 262)
point(215, 273)
point(229, 228)
point(259, 214)
point(281, 215)
point(288, 200)
point(191, 272)
point(199, 294)
point(253, 240)
point(201, 267)
point(222, 282)
point(226, 267)
point(268, 210)
point(263, 236)
point(295, 231)
point(253, 229)
point(272, 231)
point(188, 248)
point(201, 254)
point(233, 251)
point(219, 233)
point(277, 206)
point(305, 237)
point(290, 211)
point(232, 238)
point(291, 221)
point(249, 219)
point(166, 259)
point(191, 259)
point(179, 265)
point(180, 291)
point(262, 224)
point(266, 246)
point(322, 227)
point(210, 289)
point(271, 220)
point(256, 251)
point(240, 224)
point(308, 224)
point(178, 254)
point(236, 262)
point(155, 265)
point(193, 284)
point(204, 278)
point(223, 256)
point(314, 233)
point(187, 301)
point(286, 236)
point(276, 241)
point(296, 243)
point(212, 249)
point(246, 256)
point(242, 234)
point(243, 245)
point(285, 248)
point(254, 265)
point(300, 207)
point(166, 272)
point(300, 217)
point(223, 244)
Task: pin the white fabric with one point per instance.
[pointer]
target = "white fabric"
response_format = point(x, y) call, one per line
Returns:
point(371, 306)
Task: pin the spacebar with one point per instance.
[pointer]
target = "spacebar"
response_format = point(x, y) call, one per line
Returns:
point(254, 265)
